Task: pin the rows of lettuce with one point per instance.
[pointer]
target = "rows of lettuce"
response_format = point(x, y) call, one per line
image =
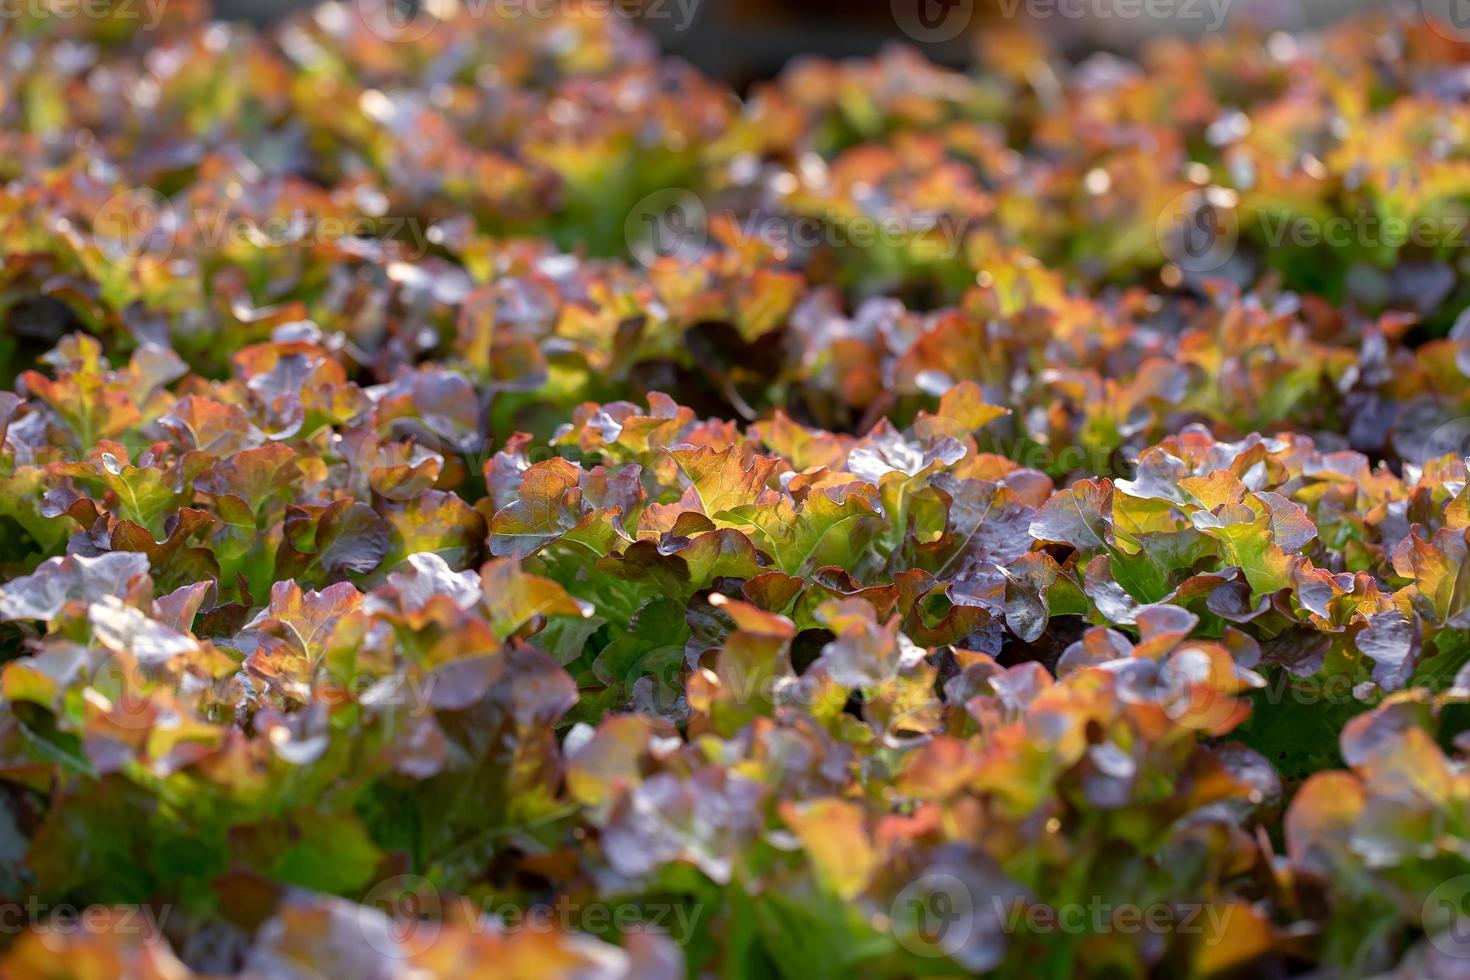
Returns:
point(1092, 380)
point(357, 585)
point(226, 188)
point(778, 676)
point(256, 170)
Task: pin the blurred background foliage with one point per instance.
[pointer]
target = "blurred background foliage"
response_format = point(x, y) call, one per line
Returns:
point(742, 41)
